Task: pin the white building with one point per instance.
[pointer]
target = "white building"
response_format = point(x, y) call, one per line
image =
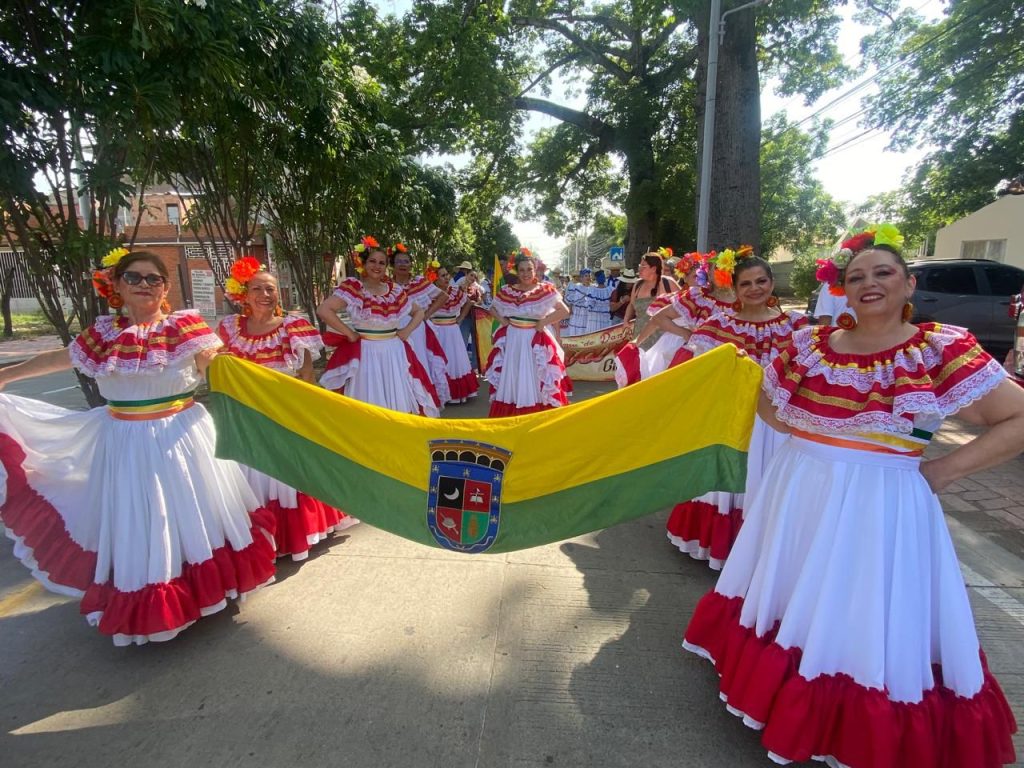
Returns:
point(995, 232)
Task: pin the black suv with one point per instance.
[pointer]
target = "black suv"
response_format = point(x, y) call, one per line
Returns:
point(973, 293)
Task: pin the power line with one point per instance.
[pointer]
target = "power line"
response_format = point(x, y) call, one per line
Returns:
point(947, 29)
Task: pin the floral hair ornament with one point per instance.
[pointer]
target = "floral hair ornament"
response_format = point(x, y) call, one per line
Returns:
point(431, 272)
point(242, 271)
point(830, 271)
point(704, 268)
point(103, 279)
point(665, 252)
point(686, 264)
point(725, 265)
point(510, 264)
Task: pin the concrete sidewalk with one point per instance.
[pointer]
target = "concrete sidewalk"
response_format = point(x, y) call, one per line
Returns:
point(16, 350)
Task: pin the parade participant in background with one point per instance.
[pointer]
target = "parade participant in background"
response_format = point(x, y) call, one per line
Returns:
point(652, 284)
point(126, 506)
point(832, 308)
point(840, 624)
point(426, 296)
point(444, 321)
point(577, 299)
point(263, 334)
point(478, 297)
point(526, 367)
point(620, 297)
point(598, 313)
point(373, 361)
point(705, 528)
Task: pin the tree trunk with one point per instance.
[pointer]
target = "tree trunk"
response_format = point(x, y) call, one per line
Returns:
point(641, 208)
point(736, 163)
point(6, 289)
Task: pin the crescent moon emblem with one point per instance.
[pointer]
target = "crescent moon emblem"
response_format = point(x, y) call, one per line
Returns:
point(454, 495)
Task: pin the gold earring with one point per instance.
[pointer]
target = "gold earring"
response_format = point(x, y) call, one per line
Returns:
point(908, 312)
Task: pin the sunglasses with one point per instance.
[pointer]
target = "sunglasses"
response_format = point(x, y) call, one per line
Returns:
point(153, 280)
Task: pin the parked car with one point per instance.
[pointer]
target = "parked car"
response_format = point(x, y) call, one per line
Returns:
point(1015, 357)
point(973, 293)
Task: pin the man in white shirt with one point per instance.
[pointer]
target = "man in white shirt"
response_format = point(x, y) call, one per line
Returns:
point(828, 308)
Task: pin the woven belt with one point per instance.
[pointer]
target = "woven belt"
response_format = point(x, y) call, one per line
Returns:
point(147, 410)
point(523, 322)
point(372, 335)
point(444, 319)
point(915, 449)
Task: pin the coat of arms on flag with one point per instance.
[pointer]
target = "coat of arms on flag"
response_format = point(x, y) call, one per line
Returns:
point(464, 498)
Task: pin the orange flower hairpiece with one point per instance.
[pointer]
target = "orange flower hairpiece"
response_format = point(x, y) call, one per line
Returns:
point(242, 271)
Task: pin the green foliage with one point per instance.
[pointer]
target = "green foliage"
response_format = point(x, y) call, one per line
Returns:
point(960, 82)
point(796, 211)
point(801, 279)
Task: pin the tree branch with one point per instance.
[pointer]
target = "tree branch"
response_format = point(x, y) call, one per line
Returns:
point(589, 123)
point(557, 65)
point(598, 54)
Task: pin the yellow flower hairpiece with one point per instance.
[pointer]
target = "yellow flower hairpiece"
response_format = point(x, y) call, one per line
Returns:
point(114, 256)
point(887, 234)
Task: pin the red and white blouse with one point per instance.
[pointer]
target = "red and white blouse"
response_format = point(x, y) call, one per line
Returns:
point(114, 345)
point(762, 340)
point(387, 312)
point(282, 349)
point(892, 400)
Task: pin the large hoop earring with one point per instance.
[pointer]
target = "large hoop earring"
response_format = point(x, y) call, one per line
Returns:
point(279, 311)
point(773, 301)
point(846, 321)
point(165, 306)
point(737, 306)
point(246, 310)
point(908, 312)
point(115, 301)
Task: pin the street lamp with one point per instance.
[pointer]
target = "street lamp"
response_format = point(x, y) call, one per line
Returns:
point(717, 20)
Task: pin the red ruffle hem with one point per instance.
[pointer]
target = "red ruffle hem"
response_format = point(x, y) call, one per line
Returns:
point(299, 528)
point(159, 612)
point(627, 365)
point(42, 541)
point(500, 409)
point(698, 529)
point(463, 387)
point(155, 612)
point(833, 717)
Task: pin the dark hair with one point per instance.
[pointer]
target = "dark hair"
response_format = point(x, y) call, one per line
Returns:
point(885, 247)
point(520, 258)
point(393, 254)
point(136, 256)
point(742, 265)
point(654, 260)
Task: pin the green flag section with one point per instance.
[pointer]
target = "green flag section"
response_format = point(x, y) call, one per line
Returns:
point(496, 485)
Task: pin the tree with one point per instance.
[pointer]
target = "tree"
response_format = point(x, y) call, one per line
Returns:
point(82, 84)
point(797, 213)
point(958, 81)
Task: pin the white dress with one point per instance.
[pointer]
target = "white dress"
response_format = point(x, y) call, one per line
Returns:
point(706, 527)
point(301, 520)
point(380, 368)
point(840, 625)
point(126, 506)
point(526, 367)
point(462, 382)
point(424, 341)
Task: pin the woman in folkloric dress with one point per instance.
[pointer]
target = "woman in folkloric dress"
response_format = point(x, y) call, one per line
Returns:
point(445, 320)
point(263, 334)
point(840, 625)
point(373, 360)
point(126, 506)
point(428, 297)
point(526, 367)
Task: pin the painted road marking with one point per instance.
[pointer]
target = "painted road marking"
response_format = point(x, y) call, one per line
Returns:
point(999, 597)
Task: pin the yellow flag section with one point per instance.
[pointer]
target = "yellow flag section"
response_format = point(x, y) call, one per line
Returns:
point(496, 485)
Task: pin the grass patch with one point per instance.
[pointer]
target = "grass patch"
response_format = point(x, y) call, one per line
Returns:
point(28, 325)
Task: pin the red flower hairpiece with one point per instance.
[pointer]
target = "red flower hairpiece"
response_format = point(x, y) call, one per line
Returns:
point(244, 268)
point(859, 242)
point(370, 242)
